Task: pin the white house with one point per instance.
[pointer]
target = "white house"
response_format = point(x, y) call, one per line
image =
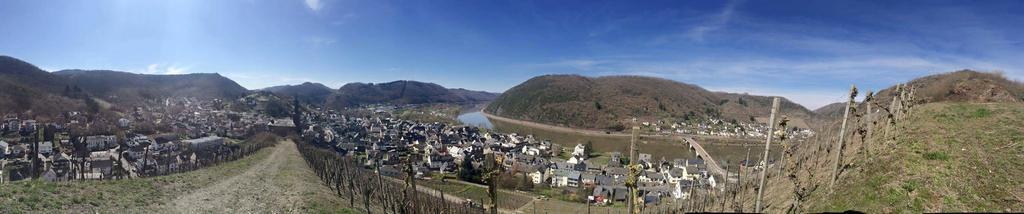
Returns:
point(537, 176)
point(46, 148)
point(560, 178)
point(580, 150)
point(4, 149)
point(530, 150)
point(677, 192)
point(574, 160)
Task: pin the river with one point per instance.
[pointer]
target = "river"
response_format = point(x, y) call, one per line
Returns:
point(658, 147)
point(475, 118)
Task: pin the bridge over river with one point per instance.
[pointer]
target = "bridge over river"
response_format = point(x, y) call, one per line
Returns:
point(713, 166)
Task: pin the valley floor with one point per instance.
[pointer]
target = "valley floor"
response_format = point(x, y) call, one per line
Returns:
point(275, 180)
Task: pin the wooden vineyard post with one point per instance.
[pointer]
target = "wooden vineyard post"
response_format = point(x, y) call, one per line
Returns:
point(689, 197)
point(492, 174)
point(631, 181)
point(767, 146)
point(351, 185)
point(871, 122)
point(785, 145)
point(842, 136)
point(380, 185)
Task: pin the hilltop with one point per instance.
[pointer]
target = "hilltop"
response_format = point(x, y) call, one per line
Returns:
point(28, 88)
point(958, 86)
point(306, 92)
point(834, 110)
point(402, 92)
point(118, 87)
point(25, 87)
point(611, 102)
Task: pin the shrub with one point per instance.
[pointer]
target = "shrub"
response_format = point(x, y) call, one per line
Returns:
point(981, 112)
point(936, 156)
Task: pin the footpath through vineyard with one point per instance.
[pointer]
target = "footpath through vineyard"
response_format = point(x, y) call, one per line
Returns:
point(281, 183)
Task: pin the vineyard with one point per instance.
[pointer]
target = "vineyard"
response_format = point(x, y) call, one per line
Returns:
point(372, 191)
point(506, 198)
point(170, 164)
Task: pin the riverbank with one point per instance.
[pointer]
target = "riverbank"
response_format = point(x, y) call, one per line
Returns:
point(599, 133)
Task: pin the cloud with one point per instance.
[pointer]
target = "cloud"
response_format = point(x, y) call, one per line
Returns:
point(319, 41)
point(167, 70)
point(176, 70)
point(264, 79)
point(713, 23)
point(314, 5)
point(345, 19)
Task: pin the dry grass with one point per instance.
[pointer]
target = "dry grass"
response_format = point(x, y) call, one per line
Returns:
point(154, 194)
point(952, 157)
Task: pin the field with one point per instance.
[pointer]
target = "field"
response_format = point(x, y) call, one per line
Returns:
point(273, 179)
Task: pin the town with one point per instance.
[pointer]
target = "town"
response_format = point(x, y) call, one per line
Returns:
point(155, 138)
point(438, 150)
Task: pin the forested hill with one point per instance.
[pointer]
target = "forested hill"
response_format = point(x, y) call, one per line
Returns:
point(402, 92)
point(306, 92)
point(25, 87)
point(611, 102)
point(129, 87)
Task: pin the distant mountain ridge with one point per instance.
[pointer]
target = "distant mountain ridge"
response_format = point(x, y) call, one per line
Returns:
point(611, 102)
point(130, 87)
point(306, 92)
point(25, 87)
point(402, 92)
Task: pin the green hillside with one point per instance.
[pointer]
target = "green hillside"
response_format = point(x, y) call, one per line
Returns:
point(951, 157)
point(611, 102)
point(957, 148)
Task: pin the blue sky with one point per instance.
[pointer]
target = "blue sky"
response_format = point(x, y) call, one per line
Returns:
point(807, 51)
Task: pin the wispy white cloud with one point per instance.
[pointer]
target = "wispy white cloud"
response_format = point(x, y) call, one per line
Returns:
point(314, 5)
point(345, 19)
point(319, 41)
point(715, 22)
point(264, 79)
point(168, 69)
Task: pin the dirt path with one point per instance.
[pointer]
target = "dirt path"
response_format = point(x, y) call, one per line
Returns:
point(281, 183)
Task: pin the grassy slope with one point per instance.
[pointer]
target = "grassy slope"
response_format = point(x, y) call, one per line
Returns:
point(136, 195)
point(952, 157)
point(107, 196)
